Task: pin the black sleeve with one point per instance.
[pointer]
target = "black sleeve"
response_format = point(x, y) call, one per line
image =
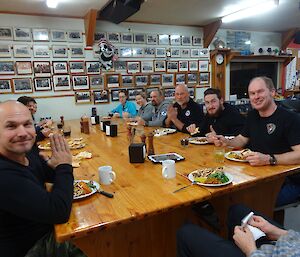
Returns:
point(39, 135)
point(236, 125)
point(204, 129)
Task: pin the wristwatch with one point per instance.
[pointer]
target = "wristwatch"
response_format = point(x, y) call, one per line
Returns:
point(272, 160)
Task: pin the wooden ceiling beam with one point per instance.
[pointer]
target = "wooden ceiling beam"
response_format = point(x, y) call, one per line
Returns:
point(90, 26)
point(286, 37)
point(210, 31)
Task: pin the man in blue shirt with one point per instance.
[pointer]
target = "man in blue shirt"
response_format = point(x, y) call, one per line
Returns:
point(125, 109)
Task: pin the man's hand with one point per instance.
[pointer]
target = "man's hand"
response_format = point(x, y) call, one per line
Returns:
point(172, 112)
point(212, 135)
point(125, 115)
point(46, 132)
point(140, 121)
point(243, 238)
point(116, 115)
point(258, 159)
point(191, 128)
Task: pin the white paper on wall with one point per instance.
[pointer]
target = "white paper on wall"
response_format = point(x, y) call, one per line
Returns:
point(290, 79)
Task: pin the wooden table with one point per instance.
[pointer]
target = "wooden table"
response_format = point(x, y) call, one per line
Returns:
point(142, 218)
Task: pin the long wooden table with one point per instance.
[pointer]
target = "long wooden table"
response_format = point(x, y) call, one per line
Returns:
point(142, 218)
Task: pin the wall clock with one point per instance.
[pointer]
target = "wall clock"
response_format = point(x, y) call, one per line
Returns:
point(219, 58)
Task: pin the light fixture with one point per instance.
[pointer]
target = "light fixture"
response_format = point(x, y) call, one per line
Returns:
point(52, 3)
point(251, 11)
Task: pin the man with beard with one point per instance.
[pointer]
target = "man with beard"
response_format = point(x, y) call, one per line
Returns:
point(28, 211)
point(221, 118)
point(159, 111)
point(185, 114)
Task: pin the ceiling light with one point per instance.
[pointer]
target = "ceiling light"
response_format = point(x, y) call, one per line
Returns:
point(251, 11)
point(52, 3)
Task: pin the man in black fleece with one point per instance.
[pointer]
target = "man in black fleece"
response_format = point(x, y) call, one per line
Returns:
point(28, 211)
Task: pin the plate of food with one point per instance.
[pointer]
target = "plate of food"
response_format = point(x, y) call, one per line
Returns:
point(84, 188)
point(210, 177)
point(132, 123)
point(238, 156)
point(164, 131)
point(74, 143)
point(198, 140)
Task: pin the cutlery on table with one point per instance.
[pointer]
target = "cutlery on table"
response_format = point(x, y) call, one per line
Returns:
point(181, 188)
point(105, 193)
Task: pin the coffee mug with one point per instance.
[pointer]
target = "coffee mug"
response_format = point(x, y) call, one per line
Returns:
point(168, 169)
point(106, 175)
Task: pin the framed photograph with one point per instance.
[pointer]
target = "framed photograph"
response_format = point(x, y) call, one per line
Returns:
point(75, 36)
point(58, 35)
point(186, 40)
point(5, 86)
point(42, 84)
point(147, 66)
point(40, 34)
point(22, 34)
point(112, 80)
point(99, 35)
point(22, 85)
point(204, 78)
point(175, 40)
point(6, 33)
point(175, 52)
point(132, 92)
point(169, 93)
point(197, 41)
point(195, 53)
point(160, 52)
point(151, 39)
point(101, 96)
point(203, 65)
point(92, 67)
point(113, 37)
point(180, 78)
point(61, 82)
point(167, 79)
point(77, 51)
point(163, 39)
point(133, 66)
point(192, 78)
point(83, 97)
point(127, 80)
point(60, 67)
point(137, 51)
point(141, 80)
point(80, 82)
point(41, 51)
point(22, 51)
point(5, 50)
point(159, 65)
point(120, 66)
point(7, 68)
point(139, 38)
point(193, 65)
point(125, 52)
point(185, 52)
point(97, 81)
point(77, 67)
point(192, 92)
point(42, 69)
point(127, 38)
point(24, 68)
point(60, 51)
point(154, 79)
point(172, 66)
point(114, 95)
point(204, 53)
point(183, 65)
point(149, 52)
point(149, 90)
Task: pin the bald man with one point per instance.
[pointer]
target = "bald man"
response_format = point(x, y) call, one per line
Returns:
point(28, 211)
point(185, 114)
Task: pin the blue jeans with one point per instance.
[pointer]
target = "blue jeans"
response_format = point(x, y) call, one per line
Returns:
point(289, 193)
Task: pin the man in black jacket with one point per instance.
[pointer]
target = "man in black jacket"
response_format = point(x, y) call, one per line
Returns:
point(28, 211)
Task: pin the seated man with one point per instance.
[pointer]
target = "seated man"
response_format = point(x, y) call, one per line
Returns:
point(193, 241)
point(221, 118)
point(185, 114)
point(28, 211)
point(125, 109)
point(272, 133)
point(146, 108)
point(159, 111)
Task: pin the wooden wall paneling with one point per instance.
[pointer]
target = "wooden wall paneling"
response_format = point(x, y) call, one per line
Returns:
point(90, 26)
point(209, 31)
point(287, 36)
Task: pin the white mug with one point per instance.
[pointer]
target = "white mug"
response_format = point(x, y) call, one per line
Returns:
point(106, 175)
point(168, 169)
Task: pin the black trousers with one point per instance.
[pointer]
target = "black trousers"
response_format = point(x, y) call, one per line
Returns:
point(194, 241)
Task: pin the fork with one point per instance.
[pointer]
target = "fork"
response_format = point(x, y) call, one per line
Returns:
point(181, 188)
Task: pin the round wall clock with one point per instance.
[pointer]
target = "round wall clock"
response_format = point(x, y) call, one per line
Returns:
point(219, 58)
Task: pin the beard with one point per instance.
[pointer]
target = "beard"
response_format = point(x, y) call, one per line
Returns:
point(217, 113)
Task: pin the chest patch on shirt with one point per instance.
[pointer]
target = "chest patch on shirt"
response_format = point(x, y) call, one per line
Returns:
point(271, 128)
point(163, 113)
point(187, 113)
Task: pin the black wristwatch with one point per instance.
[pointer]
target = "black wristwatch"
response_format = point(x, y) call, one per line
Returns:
point(272, 160)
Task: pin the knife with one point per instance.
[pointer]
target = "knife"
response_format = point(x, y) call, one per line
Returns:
point(181, 188)
point(109, 195)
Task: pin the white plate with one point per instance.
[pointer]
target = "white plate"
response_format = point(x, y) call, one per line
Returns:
point(94, 190)
point(164, 131)
point(233, 159)
point(191, 178)
point(194, 140)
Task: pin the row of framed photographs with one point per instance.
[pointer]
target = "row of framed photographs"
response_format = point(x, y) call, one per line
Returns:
point(150, 39)
point(41, 51)
point(84, 82)
point(40, 34)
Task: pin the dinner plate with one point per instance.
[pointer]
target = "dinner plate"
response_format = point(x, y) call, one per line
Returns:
point(94, 189)
point(164, 131)
point(227, 156)
point(191, 178)
point(75, 143)
point(132, 123)
point(198, 140)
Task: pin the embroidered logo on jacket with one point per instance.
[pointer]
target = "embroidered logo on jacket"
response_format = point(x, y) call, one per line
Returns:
point(271, 128)
point(187, 113)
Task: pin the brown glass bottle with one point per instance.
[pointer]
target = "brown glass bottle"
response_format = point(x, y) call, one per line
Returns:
point(150, 144)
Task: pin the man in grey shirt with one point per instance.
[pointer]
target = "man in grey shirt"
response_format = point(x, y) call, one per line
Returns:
point(159, 111)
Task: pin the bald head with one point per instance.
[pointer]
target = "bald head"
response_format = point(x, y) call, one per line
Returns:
point(12, 107)
point(182, 94)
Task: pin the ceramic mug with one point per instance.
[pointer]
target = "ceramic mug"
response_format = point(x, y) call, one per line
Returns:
point(106, 175)
point(168, 169)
